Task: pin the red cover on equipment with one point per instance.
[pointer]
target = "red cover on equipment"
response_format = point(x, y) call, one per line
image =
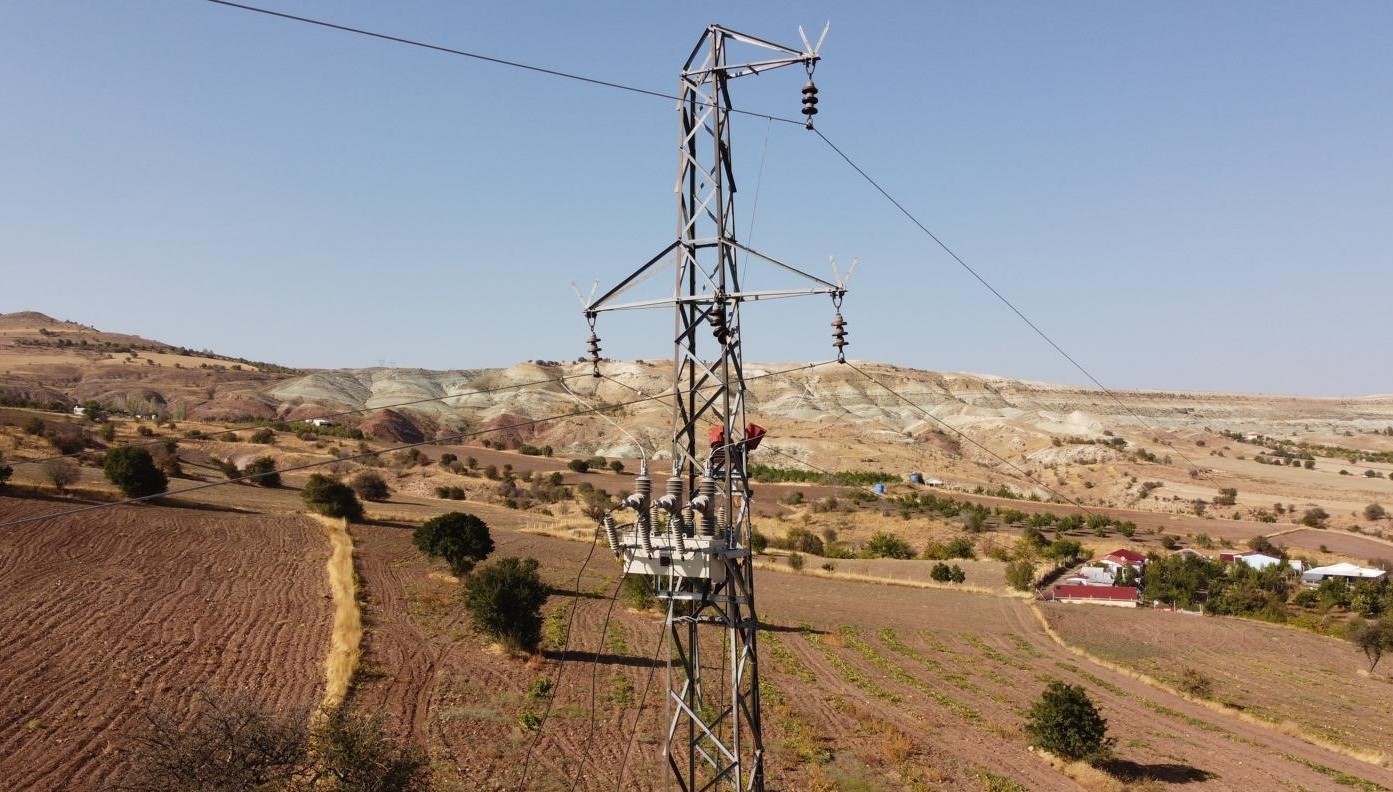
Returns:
point(716, 435)
point(753, 434)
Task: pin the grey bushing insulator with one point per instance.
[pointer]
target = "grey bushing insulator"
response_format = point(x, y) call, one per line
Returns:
point(707, 487)
point(721, 520)
point(679, 537)
point(674, 488)
point(688, 521)
point(643, 485)
point(645, 532)
point(611, 533)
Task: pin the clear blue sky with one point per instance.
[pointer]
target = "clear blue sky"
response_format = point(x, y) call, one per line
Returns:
point(1185, 195)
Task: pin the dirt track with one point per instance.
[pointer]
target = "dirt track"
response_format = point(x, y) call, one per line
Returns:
point(105, 617)
point(953, 677)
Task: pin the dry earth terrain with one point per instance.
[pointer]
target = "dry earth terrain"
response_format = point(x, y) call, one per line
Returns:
point(109, 616)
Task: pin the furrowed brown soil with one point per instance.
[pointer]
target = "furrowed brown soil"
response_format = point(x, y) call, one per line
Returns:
point(109, 615)
point(1337, 543)
point(866, 687)
point(1276, 674)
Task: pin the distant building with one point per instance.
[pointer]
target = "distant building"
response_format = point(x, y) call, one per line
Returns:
point(79, 410)
point(1257, 560)
point(1114, 596)
point(1349, 572)
point(1124, 557)
point(321, 422)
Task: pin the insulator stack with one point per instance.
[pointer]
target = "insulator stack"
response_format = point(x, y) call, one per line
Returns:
point(810, 102)
point(594, 345)
point(688, 520)
point(839, 341)
point(679, 537)
point(722, 526)
point(643, 485)
point(611, 533)
point(707, 487)
point(719, 328)
point(645, 533)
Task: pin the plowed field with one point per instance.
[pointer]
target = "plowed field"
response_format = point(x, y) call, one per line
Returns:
point(1270, 672)
point(866, 687)
point(107, 615)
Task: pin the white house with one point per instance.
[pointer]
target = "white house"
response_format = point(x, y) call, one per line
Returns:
point(1350, 573)
point(321, 422)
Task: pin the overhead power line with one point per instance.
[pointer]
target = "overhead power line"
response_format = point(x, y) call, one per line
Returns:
point(400, 447)
point(969, 439)
point(995, 292)
point(844, 156)
point(480, 57)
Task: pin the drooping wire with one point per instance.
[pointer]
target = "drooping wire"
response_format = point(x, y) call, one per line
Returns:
point(488, 58)
point(594, 681)
point(643, 452)
point(560, 662)
point(969, 439)
point(642, 699)
point(859, 170)
point(1004, 301)
point(340, 414)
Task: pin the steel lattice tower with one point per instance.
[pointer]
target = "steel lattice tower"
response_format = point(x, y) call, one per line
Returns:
point(693, 537)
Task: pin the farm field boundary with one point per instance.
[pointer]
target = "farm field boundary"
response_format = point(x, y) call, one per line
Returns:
point(345, 640)
point(1286, 727)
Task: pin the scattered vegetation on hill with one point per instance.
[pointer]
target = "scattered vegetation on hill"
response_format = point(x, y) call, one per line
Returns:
point(461, 539)
point(330, 497)
point(505, 599)
point(133, 470)
point(1065, 722)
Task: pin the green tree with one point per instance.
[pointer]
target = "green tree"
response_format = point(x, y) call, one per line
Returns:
point(263, 472)
point(263, 436)
point(1374, 512)
point(330, 497)
point(370, 486)
point(579, 465)
point(461, 539)
point(133, 470)
point(800, 539)
point(1065, 722)
point(887, 545)
point(1020, 574)
point(616, 466)
point(956, 574)
point(505, 599)
point(940, 572)
point(1374, 638)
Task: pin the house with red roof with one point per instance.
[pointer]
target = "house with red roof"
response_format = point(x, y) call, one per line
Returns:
point(1115, 596)
point(1129, 557)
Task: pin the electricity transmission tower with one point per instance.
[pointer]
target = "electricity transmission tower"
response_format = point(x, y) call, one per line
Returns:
point(693, 538)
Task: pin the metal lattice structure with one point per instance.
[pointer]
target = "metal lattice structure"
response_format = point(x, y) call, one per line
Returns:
point(693, 538)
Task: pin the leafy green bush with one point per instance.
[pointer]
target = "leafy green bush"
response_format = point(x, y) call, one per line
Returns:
point(263, 436)
point(450, 492)
point(461, 539)
point(1020, 574)
point(330, 497)
point(133, 470)
point(800, 539)
point(505, 599)
point(370, 486)
point(1065, 722)
point(579, 465)
point(887, 545)
point(263, 470)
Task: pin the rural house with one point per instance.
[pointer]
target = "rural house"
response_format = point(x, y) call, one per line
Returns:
point(1349, 572)
point(1115, 596)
